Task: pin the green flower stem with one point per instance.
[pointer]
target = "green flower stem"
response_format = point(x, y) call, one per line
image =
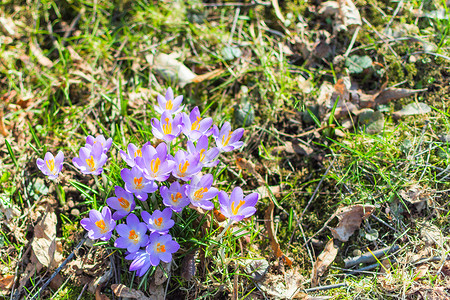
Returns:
point(99, 186)
point(219, 237)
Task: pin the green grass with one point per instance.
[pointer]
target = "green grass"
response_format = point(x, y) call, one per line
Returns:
point(108, 87)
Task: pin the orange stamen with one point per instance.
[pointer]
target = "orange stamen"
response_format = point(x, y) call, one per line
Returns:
point(101, 224)
point(124, 203)
point(236, 209)
point(202, 154)
point(167, 128)
point(159, 221)
point(91, 163)
point(160, 248)
point(133, 236)
point(183, 168)
point(154, 164)
point(138, 153)
point(199, 193)
point(50, 165)
point(177, 196)
point(225, 142)
point(196, 124)
point(169, 105)
point(138, 183)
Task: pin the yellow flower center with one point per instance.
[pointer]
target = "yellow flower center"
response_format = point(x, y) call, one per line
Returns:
point(138, 153)
point(199, 193)
point(159, 221)
point(160, 248)
point(183, 168)
point(169, 105)
point(177, 196)
point(138, 183)
point(235, 210)
point(133, 236)
point(225, 142)
point(101, 224)
point(196, 124)
point(91, 163)
point(124, 203)
point(50, 165)
point(167, 128)
point(154, 165)
point(202, 154)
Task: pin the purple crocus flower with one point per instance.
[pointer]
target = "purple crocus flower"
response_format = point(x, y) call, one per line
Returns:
point(91, 160)
point(132, 235)
point(136, 183)
point(99, 225)
point(227, 140)
point(159, 221)
point(141, 262)
point(133, 152)
point(200, 191)
point(168, 103)
point(168, 128)
point(155, 163)
point(123, 203)
point(206, 156)
point(91, 141)
point(161, 247)
point(50, 165)
point(236, 207)
point(174, 196)
point(186, 165)
point(194, 126)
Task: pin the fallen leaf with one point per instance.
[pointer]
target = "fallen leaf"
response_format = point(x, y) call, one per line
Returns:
point(414, 108)
point(162, 273)
point(421, 271)
point(394, 93)
point(324, 260)
point(219, 216)
point(416, 195)
point(265, 192)
point(6, 282)
point(431, 234)
point(244, 164)
point(293, 147)
point(268, 222)
point(282, 286)
point(257, 268)
point(188, 266)
point(44, 243)
point(3, 130)
point(350, 219)
point(171, 69)
point(99, 295)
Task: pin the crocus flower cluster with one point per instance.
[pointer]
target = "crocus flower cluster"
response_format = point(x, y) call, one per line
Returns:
point(145, 235)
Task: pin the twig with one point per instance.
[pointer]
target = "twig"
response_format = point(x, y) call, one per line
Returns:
point(325, 287)
point(368, 257)
point(68, 259)
point(82, 291)
point(381, 37)
point(424, 260)
point(383, 222)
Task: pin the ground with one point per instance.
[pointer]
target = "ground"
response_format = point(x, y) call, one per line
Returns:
point(345, 110)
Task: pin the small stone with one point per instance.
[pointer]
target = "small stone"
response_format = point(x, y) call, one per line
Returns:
point(75, 212)
point(357, 252)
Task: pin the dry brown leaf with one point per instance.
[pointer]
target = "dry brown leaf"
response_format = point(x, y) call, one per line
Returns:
point(188, 267)
point(121, 290)
point(293, 148)
point(395, 93)
point(268, 222)
point(44, 243)
point(431, 234)
point(283, 286)
point(416, 195)
point(3, 130)
point(162, 273)
point(99, 295)
point(41, 58)
point(421, 271)
point(244, 164)
point(33, 267)
point(324, 260)
point(350, 219)
point(265, 192)
point(6, 282)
